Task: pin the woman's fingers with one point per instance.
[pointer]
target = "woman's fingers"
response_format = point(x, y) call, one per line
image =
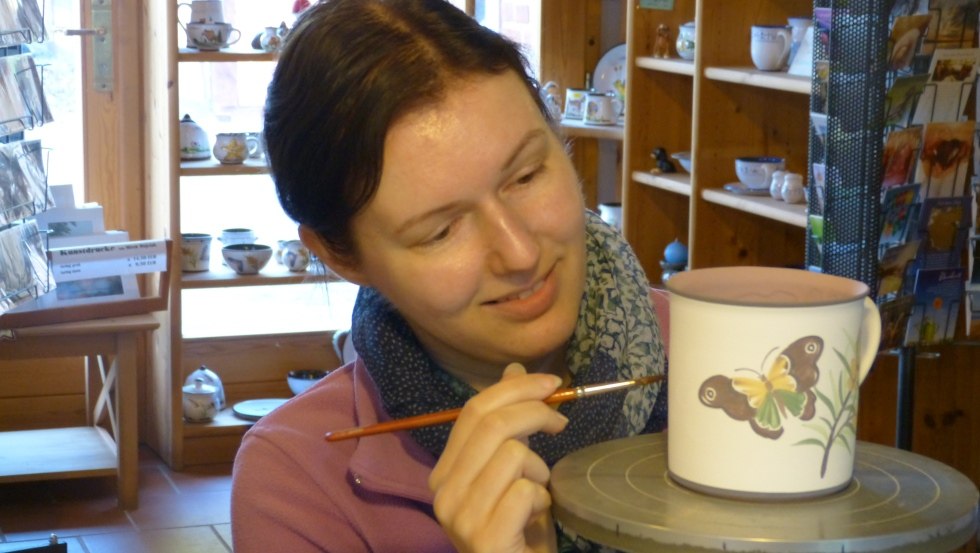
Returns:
point(515, 387)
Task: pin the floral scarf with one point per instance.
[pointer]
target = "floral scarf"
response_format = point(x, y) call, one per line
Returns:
point(617, 338)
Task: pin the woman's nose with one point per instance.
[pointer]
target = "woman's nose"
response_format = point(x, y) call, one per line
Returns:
point(512, 244)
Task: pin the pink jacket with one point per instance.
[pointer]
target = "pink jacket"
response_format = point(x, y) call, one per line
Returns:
point(368, 494)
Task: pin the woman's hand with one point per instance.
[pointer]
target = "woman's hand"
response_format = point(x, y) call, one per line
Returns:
point(490, 488)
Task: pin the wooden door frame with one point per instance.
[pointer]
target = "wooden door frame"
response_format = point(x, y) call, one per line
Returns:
point(113, 129)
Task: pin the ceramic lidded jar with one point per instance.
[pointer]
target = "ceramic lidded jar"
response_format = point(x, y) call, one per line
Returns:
point(685, 41)
point(194, 141)
point(199, 401)
point(211, 378)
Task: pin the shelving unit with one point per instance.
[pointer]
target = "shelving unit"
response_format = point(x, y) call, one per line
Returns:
point(251, 353)
point(718, 107)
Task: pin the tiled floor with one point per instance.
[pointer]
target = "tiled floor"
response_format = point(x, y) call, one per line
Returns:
point(179, 512)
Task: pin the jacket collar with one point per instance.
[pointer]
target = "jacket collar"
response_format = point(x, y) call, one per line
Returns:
point(391, 463)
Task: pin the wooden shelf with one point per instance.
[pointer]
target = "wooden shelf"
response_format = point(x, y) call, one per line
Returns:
point(775, 80)
point(212, 167)
point(679, 183)
point(676, 65)
point(78, 452)
point(763, 206)
point(237, 52)
point(222, 276)
point(573, 127)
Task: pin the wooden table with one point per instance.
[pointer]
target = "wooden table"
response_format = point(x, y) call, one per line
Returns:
point(619, 494)
point(109, 347)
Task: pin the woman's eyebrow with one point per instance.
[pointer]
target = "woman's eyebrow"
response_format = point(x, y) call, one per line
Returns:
point(531, 136)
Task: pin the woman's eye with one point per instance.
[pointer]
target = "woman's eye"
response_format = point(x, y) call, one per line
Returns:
point(441, 235)
point(529, 176)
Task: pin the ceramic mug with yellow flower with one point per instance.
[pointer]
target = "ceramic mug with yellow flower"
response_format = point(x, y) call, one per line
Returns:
point(765, 369)
point(233, 148)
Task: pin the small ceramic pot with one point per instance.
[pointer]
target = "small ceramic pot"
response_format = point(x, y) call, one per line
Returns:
point(199, 401)
point(295, 256)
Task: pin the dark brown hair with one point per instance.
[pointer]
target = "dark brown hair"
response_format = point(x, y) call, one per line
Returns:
point(348, 71)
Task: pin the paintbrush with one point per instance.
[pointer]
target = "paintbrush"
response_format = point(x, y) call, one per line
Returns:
point(560, 396)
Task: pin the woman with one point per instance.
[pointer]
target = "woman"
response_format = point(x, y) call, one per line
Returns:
point(417, 156)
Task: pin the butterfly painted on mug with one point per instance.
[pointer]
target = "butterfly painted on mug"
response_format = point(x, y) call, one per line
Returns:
point(765, 399)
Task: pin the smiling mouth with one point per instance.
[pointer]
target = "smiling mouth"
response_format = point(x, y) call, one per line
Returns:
point(524, 294)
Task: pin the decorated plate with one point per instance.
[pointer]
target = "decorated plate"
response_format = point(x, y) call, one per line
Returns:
point(610, 72)
point(742, 190)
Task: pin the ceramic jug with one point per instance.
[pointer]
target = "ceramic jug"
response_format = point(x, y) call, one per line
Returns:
point(194, 141)
point(685, 41)
point(210, 378)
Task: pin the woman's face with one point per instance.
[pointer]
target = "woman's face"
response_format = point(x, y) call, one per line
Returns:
point(477, 231)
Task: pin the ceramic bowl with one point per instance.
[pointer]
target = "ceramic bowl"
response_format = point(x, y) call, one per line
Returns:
point(300, 380)
point(684, 158)
point(247, 259)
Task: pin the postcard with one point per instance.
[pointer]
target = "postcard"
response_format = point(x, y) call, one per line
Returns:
point(894, 268)
point(901, 98)
point(903, 42)
point(31, 18)
point(821, 23)
point(943, 228)
point(895, 316)
point(952, 73)
point(938, 295)
point(898, 157)
point(943, 163)
point(12, 107)
point(23, 265)
point(35, 105)
point(953, 24)
point(896, 213)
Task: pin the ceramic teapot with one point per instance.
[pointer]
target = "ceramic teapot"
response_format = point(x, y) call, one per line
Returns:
point(194, 141)
point(210, 378)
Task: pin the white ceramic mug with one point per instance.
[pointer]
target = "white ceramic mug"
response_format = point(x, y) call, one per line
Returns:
point(195, 252)
point(765, 366)
point(770, 46)
point(203, 11)
point(602, 109)
point(575, 103)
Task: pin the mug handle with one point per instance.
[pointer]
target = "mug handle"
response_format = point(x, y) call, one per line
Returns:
point(252, 145)
point(230, 41)
point(787, 38)
point(870, 339)
point(179, 22)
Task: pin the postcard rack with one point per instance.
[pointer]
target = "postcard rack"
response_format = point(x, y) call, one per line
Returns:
point(32, 314)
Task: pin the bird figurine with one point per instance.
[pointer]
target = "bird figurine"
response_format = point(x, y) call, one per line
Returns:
point(664, 165)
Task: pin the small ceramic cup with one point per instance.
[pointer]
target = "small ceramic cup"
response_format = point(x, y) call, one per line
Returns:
point(211, 36)
point(575, 103)
point(602, 109)
point(195, 251)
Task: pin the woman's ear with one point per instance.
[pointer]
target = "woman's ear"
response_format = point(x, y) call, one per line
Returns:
point(338, 264)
